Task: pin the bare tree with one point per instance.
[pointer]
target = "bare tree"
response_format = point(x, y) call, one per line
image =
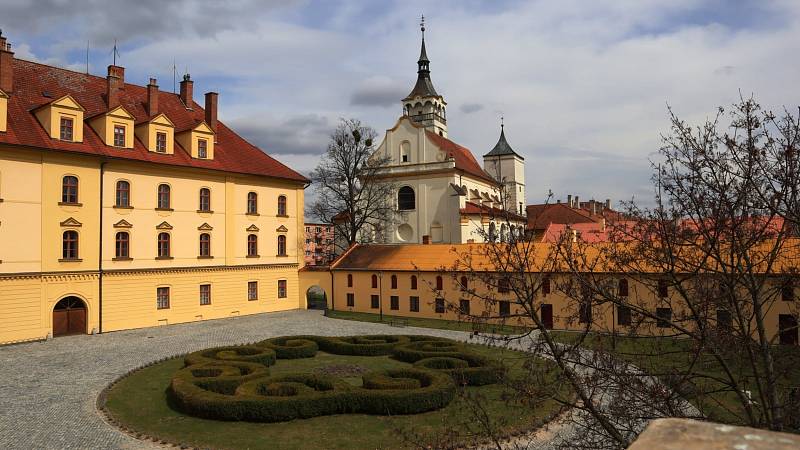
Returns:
point(704, 273)
point(349, 194)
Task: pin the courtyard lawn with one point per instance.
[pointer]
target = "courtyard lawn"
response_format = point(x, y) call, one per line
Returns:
point(438, 324)
point(664, 356)
point(139, 402)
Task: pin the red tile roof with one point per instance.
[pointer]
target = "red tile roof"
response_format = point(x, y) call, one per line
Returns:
point(32, 80)
point(540, 216)
point(463, 157)
point(474, 208)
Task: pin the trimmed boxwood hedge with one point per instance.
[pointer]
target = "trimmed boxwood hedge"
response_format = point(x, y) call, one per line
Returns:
point(297, 396)
point(414, 351)
point(247, 353)
point(469, 369)
point(233, 383)
point(374, 345)
point(291, 347)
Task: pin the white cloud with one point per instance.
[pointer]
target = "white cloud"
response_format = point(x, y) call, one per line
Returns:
point(583, 85)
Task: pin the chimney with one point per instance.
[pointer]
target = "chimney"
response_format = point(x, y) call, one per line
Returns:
point(152, 98)
point(608, 203)
point(577, 202)
point(211, 110)
point(594, 207)
point(426, 239)
point(186, 91)
point(569, 200)
point(6, 66)
point(116, 79)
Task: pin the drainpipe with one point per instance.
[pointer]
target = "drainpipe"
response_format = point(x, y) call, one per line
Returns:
point(380, 295)
point(333, 291)
point(100, 257)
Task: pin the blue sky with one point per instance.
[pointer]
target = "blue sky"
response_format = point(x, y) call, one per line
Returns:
point(583, 85)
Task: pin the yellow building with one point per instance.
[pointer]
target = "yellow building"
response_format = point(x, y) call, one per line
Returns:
point(419, 281)
point(122, 206)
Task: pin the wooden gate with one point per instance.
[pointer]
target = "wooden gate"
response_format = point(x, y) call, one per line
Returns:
point(547, 315)
point(787, 327)
point(69, 317)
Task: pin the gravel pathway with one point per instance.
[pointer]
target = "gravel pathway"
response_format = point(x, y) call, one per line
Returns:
point(48, 389)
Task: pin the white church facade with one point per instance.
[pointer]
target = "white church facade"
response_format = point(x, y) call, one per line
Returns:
point(443, 195)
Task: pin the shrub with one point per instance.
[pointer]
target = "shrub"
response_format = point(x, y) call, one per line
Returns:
point(233, 383)
point(469, 369)
point(361, 345)
point(246, 353)
point(414, 351)
point(291, 347)
point(378, 380)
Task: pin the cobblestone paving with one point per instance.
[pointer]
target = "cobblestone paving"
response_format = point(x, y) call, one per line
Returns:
point(48, 389)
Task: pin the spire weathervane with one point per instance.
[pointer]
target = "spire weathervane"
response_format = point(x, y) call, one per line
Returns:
point(422, 26)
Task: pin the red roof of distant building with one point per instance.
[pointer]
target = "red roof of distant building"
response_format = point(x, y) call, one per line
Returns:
point(463, 157)
point(33, 80)
point(541, 216)
point(474, 208)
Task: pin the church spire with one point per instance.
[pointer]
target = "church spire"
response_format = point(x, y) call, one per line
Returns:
point(424, 86)
point(424, 105)
point(502, 147)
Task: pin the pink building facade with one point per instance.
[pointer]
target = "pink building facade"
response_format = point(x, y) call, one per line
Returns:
point(318, 245)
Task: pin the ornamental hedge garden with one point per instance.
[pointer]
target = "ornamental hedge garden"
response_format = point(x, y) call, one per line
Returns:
point(234, 383)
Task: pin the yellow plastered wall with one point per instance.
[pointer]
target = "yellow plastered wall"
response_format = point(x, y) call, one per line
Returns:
point(564, 309)
point(142, 219)
point(20, 211)
point(129, 298)
point(104, 125)
point(50, 117)
point(54, 167)
point(312, 278)
point(28, 302)
point(147, 132)
point(189, 140)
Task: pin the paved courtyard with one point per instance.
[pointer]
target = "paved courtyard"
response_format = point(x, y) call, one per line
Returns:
point(48, 389)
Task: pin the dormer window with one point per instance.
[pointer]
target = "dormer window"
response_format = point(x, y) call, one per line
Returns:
point(161, 142)
point(66, 129)
point(202, 148)
point(119, 136)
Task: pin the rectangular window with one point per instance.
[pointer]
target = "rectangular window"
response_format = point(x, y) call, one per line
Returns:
point(162, 298)
point(66, 129)
point(502, 285)
point(505, 308)
point(351, 299)
point(394, 302)
point(252, 290)
point(375, 302)
point(205, 294)
point(282, 289)
point(663, 291)
point(546, 286)
point(161, 142)
point(623, 315)
point(724, 321)
point(119, 136)
point(463, 306)
point(413, 304)
point(787, 292)
point(202, 148)
point(664, 317)
point(439, 307)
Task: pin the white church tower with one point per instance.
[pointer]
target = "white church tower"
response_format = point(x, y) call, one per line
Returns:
point(508, 168)
point(424, 105)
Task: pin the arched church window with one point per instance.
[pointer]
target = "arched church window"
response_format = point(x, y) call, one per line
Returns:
point(405, 198)
point(492, 232)
point(405, 152)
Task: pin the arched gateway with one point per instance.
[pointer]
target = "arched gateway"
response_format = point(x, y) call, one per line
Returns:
point(69, 317)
